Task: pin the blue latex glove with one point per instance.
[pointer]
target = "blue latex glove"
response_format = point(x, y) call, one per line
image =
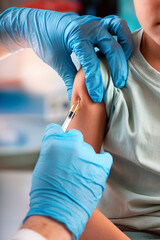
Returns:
point(68, 179)
point(54, 36)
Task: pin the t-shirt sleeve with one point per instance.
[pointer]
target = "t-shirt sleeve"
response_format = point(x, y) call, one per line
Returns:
point(27, 234)
point(110, 90)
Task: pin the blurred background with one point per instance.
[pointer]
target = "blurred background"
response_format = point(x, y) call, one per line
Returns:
point(31, 96)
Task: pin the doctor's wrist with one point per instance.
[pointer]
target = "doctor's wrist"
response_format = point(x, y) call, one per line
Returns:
point(49, 228)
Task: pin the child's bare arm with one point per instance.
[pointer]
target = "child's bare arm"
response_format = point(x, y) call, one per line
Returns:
point(101, 228)
point(91, 120)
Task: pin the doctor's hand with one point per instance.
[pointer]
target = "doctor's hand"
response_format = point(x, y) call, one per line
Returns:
point(68, 179)
point(54, 36)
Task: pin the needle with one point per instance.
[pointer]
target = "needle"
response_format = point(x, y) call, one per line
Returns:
point(70, 115)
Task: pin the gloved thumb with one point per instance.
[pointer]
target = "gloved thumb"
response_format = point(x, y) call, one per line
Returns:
point(67, 71)
point(53, 129)
point(106, 160)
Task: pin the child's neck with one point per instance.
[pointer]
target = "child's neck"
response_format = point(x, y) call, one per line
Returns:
point(151, 51)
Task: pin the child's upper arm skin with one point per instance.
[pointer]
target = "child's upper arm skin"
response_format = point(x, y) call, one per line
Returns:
point(91, 118)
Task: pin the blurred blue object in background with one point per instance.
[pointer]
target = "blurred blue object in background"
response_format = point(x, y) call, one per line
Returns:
point(126, 11)
point(21, 125)
point(20, 140)
point(23, 119)
point(10, 137)
point(17, 101)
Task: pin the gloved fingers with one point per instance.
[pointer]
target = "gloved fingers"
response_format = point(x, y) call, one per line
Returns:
point(100, 166)
point(106, 159)
point(67, 71)
point(54, 130)
point(117, 26)
point(116, 59)
point(86, 54)
point(74, 133)
point(68, 78)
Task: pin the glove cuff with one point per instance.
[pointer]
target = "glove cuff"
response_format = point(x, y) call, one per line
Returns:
point(11, 34)
point(19, 27)
point(74, 217)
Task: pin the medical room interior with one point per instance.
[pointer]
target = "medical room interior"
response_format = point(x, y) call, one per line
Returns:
point(32, 95)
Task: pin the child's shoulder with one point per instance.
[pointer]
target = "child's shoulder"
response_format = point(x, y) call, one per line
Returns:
point(112, 93)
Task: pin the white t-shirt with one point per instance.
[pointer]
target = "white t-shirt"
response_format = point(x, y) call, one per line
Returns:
point(27, 234)
point(132, 195)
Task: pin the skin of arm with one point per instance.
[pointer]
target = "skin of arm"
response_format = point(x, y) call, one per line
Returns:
point(91, 120)
point(91, 117)
point(48, 228)
point(3, 52)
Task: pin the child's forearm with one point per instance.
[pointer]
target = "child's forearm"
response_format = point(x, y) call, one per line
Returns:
point(91, 120)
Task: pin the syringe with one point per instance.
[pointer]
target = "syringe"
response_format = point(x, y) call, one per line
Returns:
point(71, 114)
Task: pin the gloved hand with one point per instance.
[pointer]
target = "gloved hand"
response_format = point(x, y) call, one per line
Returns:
point(68, 179)
point(54, 35)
